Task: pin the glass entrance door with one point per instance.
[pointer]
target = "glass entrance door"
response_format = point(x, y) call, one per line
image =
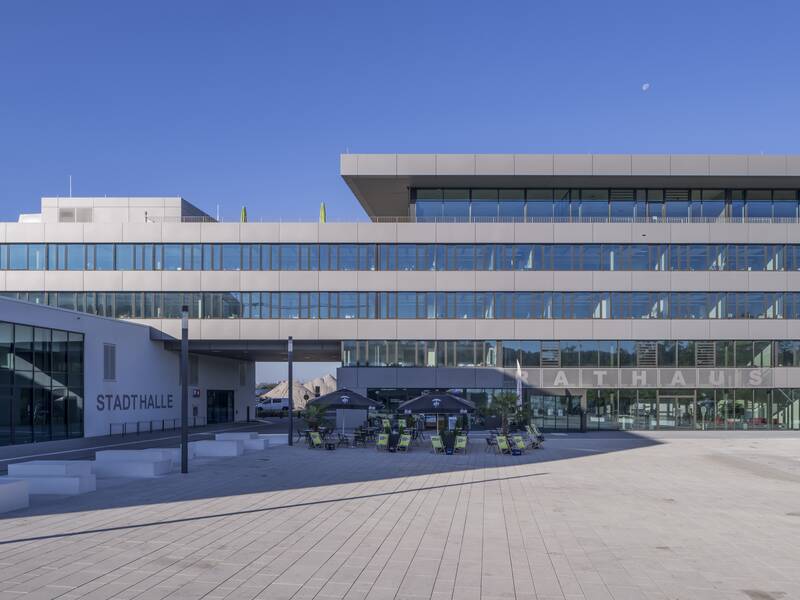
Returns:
point(219, 406)
point(676, 411)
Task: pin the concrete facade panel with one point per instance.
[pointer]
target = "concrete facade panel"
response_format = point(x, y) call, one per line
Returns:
point(376, 233)
point(496, 329)
point(415, 378)
point(63, 232)
point(494, 164)
point(572, 329)
point(338, 232)
point(453, 233)
point(534, 233)
point(611, 232)
point(617, 329)
point(765, 233)
point(765, 166)
point(728, 281)
point(25, 232)
point(219, 281)
point(348, 164)
point(24, 280)
point(727, 164)
point(102, 233)
point(618, 281)
point(455, 329)
point(183, 281)
point(416, 164)
point(300, 329)
point(416, 233)
point(455, 164)
point(571, 281)
point(686, 233)
point(219, 329)
point(650, 164)
point(377, 164)
point(259, 233)
point(611, 164)
point(494, 233)
point(141, 233)
point(728, 329)
point(533, 164)
point(64, 280)
point(493, 281)
point(102, 280)
point(766, 329)
point(299, 232)
point(688, 281)
point(572, 164)
point(219, 233)
point(376, 329)
point(455, 281)
point(377, 378)
point(415, 329)
point(650, 281)
point(688, 164)
point(182, 232)
point(533, 329)
point(300, 281)
point(377, 281)
point(574, 233)
point(260, 329)
point(337, 329)
point(650, 233)
point(446, 377)
point(689, 329)
point(649, 329)
point(141, 281)
point(344, 281)
point(416, 281)
point(775, 281)
point(533, 280)
point(264, 281)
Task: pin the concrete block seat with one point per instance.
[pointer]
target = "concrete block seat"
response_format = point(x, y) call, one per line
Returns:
point(251, 440)
point(151, 462)
point(214, 448)
point(69, 477)
point(13, 494)
point(275, 439)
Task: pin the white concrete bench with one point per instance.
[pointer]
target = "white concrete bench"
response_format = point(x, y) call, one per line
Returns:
point(252, 441)
point(144, 454)
point(132, 468)
point(13, 494)
point(69, 477)
point(211, 448)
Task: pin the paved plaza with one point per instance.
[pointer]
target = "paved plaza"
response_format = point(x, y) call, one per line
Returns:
point(595, 516)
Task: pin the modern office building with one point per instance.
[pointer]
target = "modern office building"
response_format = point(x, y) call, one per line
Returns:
point(651, 291)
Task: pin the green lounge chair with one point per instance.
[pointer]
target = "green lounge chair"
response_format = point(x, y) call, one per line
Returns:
point(519, 443)
point(502, 444)
point(314, 440)
point(461, 444)
point(404, 444)
point(436, 442)
point(537, 439)
point(387, 425)
point(383, 442)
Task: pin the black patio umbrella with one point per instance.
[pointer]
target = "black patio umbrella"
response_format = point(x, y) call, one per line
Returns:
point(343, 399)
point(437, 404)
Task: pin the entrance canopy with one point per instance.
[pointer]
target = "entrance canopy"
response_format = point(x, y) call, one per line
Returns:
point(343, 398)
point(440, 404)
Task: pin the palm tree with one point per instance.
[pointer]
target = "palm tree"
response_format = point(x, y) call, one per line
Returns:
point(504, 405)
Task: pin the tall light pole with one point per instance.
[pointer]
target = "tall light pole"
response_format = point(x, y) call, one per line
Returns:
point(184, 389)
point(290, 348)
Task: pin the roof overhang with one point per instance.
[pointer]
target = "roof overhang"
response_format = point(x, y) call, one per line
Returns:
point(382, 182)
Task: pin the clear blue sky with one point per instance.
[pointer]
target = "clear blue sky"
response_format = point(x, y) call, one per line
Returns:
point(251, 102)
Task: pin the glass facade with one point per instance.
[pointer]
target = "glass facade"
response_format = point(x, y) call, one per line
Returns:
point(571, 353)
point(630, 409)
point(400, 257)
point(603, 205)
point(426, 305)
point(41, 384)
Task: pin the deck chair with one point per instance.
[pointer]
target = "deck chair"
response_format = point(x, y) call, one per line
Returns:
point(383, 442)
point(386, 424)
point(436, 442)
point(519, 443)
point(502, 444)
point(491, 444)
point(314, 439)
point(533, 441)
point(404, 444)
point(461, 444)
point(536, 434)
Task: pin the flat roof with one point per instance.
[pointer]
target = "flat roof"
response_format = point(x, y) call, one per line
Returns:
point(381, 182)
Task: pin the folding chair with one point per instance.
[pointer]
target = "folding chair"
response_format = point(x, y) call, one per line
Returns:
point(404, 444)
point(436, 442)
point(519, 443)
point(315, 440)
point(461, 444)
point(383, 441)
point(502, 444)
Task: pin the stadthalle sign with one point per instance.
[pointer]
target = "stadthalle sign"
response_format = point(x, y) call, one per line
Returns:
point(120, 402)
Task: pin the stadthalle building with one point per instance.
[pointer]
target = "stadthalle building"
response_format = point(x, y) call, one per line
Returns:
point(651, 291)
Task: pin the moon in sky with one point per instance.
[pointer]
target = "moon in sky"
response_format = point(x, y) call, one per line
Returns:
point(645, 87)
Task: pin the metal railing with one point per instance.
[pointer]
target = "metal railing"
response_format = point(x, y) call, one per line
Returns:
point(179, 219)
point(155, 425)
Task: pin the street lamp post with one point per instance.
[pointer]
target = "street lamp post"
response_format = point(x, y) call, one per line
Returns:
point(290, 348)
point(184, 389)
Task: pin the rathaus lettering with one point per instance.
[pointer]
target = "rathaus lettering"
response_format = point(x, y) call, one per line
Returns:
point(133, 401)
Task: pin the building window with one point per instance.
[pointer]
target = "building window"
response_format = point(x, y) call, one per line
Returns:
point(109, 362)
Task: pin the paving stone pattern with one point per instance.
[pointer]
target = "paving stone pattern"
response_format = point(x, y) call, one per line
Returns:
point(598, 516)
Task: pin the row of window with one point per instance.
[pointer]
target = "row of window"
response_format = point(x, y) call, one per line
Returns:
point(426, 305)
point(570, 353)
point(41, 384)
point(601, 204)
point(400, 257)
